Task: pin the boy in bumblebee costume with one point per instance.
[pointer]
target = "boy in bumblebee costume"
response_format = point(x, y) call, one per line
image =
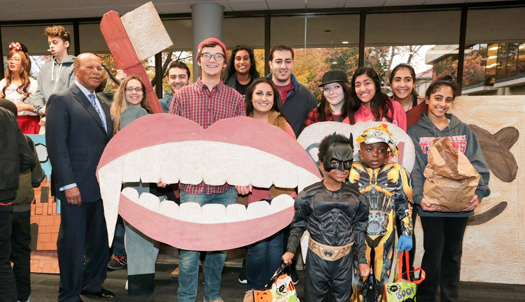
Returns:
point(336, 215)
point(388, 191)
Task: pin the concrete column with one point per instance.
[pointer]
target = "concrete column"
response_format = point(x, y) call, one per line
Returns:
point(207, 22)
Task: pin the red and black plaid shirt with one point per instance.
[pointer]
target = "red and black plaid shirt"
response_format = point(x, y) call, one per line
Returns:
point(198, 103)
point(313, 117)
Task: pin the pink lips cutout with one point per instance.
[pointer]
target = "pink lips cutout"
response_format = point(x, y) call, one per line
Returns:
point(159, 129)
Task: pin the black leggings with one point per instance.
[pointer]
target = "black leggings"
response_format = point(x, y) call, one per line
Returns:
point(443, 242)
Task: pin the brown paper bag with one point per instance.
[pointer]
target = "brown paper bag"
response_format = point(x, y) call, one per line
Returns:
point(451, 180)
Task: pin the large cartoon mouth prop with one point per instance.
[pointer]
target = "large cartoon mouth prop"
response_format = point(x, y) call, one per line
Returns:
point(237, 151)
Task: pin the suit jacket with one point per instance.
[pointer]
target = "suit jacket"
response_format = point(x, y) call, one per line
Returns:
point(75, 139)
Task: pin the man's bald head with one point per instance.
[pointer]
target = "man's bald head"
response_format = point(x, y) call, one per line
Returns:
point(88, 70)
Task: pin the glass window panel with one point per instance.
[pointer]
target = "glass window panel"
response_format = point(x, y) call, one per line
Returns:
point(501, 61)
point(245, 31)
point(91, 39)
point(502, 31)
point(521, 60)
point(426, 40)
point(181, 33)
point(512, 58)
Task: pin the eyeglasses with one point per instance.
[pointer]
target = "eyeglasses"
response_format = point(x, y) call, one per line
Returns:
point(136, 89)
point(207, 56)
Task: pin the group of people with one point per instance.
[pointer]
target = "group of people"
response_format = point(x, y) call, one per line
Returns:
point(352, 213)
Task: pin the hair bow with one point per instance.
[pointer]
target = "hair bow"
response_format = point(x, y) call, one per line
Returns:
point(15, 46)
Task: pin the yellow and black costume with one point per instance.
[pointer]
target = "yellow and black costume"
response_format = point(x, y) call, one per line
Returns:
point(388, 192)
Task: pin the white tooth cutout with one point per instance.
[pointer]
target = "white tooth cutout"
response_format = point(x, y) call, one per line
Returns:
point(213, 213)
point(273, 170)
point(235, 212)
point(131, 194)
point(150, 202)
point(190, 211)
point(192, 161)
point(169, 208)
point(150, 164)
point(262, 171)
point(110, 178)
point(218, 164)
point(132, 165)
point(258, 209)
point(281, 202)
point(170, 157)
point(305, 178)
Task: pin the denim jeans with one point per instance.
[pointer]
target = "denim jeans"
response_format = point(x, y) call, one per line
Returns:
point(263, 259)
point(118, 240)
point(214, 262)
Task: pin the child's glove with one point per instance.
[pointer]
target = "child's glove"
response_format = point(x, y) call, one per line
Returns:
point(404, 243)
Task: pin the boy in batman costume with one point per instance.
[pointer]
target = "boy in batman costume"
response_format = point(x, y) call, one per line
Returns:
point(388, 191)
point(336, 216)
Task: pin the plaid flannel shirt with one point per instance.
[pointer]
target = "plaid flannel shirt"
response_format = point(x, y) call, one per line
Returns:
point(313, 117)
point(198, 103)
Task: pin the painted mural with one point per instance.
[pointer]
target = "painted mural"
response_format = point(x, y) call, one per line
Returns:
point(494, 243)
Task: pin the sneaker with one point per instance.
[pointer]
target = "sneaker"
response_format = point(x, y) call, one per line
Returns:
point(242, 273)
point(248, 297)
point(175, 273)
point(118, 262)
point(126, 286)
point(217, 300)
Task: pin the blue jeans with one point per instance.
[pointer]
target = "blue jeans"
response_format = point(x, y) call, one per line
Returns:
point(214, 262)
point(263, 259)
point(118, 240)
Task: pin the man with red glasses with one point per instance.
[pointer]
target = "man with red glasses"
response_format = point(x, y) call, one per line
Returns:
point(204, 102)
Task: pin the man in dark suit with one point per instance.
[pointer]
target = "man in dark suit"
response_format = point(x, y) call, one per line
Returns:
point(78, 128)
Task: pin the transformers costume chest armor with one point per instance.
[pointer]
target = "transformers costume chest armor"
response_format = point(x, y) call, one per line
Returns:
point(387, 190)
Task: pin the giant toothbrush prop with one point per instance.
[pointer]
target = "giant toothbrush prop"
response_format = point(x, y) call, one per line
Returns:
point(130, 42)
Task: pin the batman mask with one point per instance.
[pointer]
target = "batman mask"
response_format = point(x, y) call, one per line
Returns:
point(339, 156)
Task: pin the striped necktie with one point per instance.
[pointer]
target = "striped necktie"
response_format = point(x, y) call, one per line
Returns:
point(93, 101)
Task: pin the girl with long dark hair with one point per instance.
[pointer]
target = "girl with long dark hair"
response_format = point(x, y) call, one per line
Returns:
point(369, 103)
point(334, 99)
point(242, 70)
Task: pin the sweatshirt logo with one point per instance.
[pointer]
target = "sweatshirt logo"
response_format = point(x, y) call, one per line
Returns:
point(459, 142)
